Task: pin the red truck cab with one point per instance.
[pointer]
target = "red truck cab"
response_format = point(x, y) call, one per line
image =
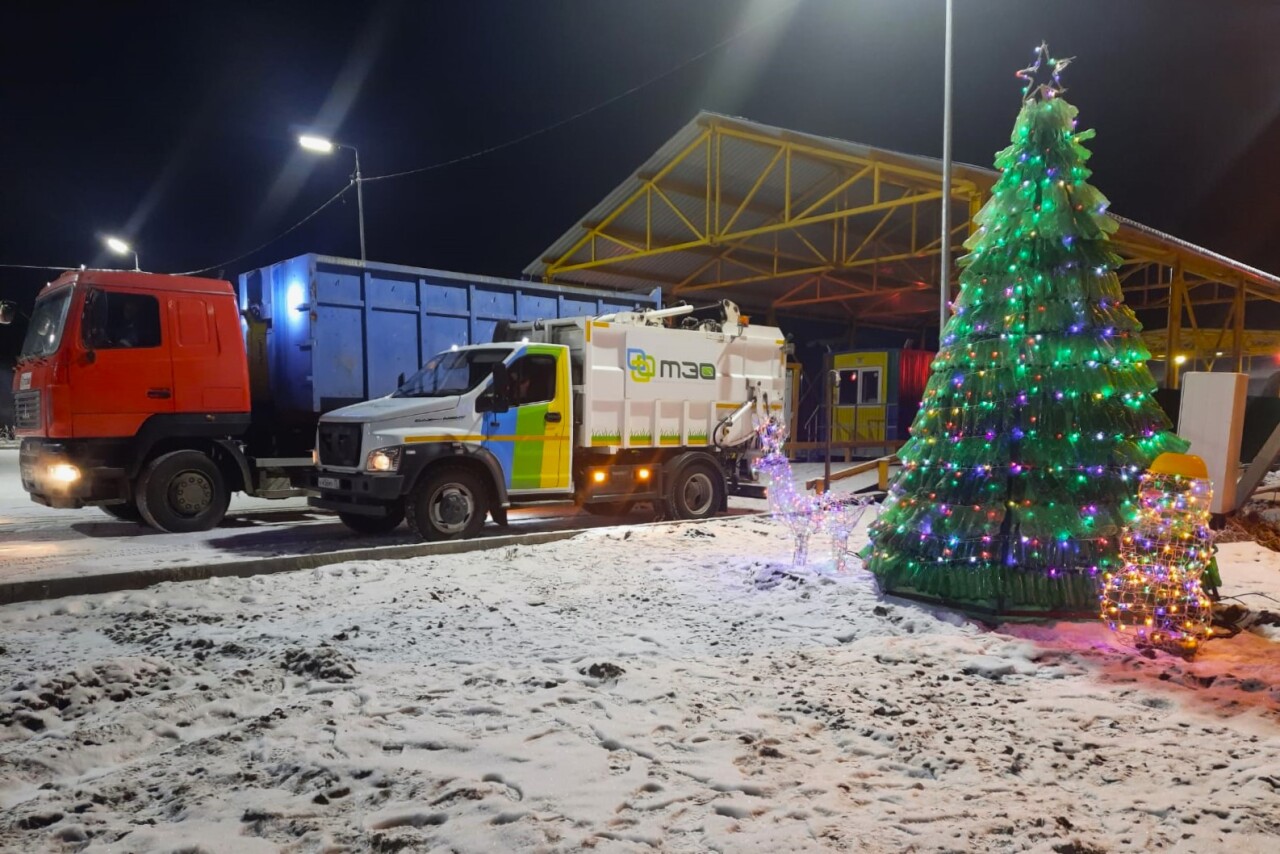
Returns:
point(131, 392)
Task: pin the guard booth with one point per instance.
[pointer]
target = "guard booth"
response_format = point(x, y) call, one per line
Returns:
point(879, 393)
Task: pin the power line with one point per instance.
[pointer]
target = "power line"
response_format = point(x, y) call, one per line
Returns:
point(35, 267)
point(618, 97)
point(279, 236)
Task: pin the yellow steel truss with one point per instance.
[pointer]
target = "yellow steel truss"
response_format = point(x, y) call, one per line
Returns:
point(884, 187)
point(863, 237)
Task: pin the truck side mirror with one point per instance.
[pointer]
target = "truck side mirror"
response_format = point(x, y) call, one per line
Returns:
point(7, 312)
point(400, 380)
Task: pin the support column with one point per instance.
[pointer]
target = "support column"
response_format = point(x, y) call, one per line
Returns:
point(1173, 326)
point(1237, 351)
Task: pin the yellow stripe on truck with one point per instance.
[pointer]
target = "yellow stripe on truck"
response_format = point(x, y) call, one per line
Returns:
point(415, 440)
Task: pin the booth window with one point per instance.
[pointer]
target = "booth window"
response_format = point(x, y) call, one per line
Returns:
point(870, 385)
point(859, 386)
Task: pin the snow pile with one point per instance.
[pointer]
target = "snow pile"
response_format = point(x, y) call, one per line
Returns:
point(664, 688)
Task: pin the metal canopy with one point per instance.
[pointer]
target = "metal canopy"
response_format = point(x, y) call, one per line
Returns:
point(782, 221)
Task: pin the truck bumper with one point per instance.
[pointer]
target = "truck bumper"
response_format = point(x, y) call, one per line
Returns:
point(69, 474)
point(609, 484)
point(354, 492)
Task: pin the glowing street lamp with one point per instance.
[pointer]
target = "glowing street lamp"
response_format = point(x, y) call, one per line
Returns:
point(322, 145)
point(318, 144)
point(120, 247)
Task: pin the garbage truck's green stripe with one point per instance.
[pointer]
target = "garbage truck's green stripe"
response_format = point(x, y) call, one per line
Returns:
point(526, 463)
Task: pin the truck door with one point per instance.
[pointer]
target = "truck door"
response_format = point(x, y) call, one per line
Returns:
point(539, 426)
point(203, 379)
point(122, 373)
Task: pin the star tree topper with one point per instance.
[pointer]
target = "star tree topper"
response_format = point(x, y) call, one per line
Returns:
point(1051, 88)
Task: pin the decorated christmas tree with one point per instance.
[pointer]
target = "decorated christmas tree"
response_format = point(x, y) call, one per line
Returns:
point(1024, 459)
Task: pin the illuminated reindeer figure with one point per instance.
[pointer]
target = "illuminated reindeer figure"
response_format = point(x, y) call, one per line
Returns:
point(802, 513)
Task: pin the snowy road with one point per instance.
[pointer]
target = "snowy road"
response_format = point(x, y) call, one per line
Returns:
point(663, 688)
point(37, 543)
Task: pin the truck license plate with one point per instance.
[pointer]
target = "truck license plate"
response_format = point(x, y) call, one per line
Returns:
point(328, 483)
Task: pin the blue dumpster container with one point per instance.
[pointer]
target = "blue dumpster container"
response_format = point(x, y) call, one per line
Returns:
point(325, 332)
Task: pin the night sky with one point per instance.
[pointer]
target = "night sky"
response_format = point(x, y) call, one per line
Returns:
point(174, 124)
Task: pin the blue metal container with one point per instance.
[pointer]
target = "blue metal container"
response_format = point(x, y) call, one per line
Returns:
point(323, 332)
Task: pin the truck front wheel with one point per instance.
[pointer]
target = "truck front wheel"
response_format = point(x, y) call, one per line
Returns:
point(374, 524)
point(449, 504)
point(697, 492)
point(182, 491)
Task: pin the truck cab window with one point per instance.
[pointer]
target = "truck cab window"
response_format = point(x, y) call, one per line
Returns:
point(452, 372)
point(533, 380)
point(119, 321)
point(44, 332)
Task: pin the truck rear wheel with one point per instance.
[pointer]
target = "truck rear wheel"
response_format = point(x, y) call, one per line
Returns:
point(181, 492)
point(697, 492)
point(127, 512)
point(449, 504)
point(374, 524)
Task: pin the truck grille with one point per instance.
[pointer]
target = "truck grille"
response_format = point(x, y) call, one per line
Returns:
point(340, 445)
point(26, 405)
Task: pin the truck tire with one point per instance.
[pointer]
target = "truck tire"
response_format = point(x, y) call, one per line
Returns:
point(182, 491)
point(374, 524)
point(127, 512)
point(448, 504)
point(697, 491)
point(609, 508)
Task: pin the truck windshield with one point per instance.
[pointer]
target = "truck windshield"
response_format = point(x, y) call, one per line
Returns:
point(45, 330)
point(455, 372)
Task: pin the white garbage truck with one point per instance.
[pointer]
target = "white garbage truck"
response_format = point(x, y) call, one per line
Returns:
point(646, 408)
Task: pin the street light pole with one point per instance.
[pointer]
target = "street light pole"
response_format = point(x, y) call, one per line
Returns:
point(323, 145)
point(360, 200)
point(945, 284)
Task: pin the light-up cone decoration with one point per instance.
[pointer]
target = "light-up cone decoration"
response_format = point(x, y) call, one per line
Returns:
point(1039, 413)
point(1156, 598)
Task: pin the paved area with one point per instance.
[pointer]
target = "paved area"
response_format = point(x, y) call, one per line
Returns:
point(42, 546)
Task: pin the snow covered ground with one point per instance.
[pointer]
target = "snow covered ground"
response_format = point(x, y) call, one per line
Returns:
point(659, 688)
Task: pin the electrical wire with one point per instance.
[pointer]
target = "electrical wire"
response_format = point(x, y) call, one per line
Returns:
point(615, 98)
point(1263, 595)
point(279, 236)
point(35, 267)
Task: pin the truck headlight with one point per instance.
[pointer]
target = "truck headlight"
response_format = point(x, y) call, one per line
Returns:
point(64, 473)
point(383, 459)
